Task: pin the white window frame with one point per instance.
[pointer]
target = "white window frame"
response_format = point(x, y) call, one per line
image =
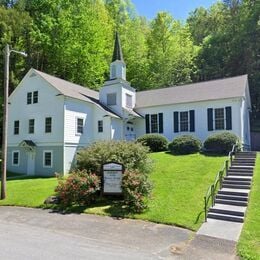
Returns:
point(157, 119)
point(33, 126)
point(112, 94)
point(214, 118)
point(43, 159)
point(102, 126)
point(180, 130)
point(129, 100)
point(30, 99)
point(13, 152)
point(15, 128)
point(34, 96)
point(79, 133)
point(46, 125)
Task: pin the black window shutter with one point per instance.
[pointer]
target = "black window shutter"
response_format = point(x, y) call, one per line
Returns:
point(210, 119)
point(228, 118)
point(160, 123)
point(147, 123)
point(192, 121)
point(176, 121)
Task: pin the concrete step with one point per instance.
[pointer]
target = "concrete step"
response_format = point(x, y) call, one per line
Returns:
point(231, 197)
point(245, 192)
point(241, 168)
point(234, 163)
point(232, 186)
point(233, 192)
point(228, 209)
point(236, 173)
point(226, 217)
point(246, 153)
point(250, 159)
point(238, 178)
point(236, 182)
point(231, 202)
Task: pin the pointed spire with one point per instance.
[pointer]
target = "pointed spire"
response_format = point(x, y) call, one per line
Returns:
point(118, 54)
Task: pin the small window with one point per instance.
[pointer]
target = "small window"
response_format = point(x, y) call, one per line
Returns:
point(219, 119)
point(100, 126)
point(47, 158)
point(154, 123)
point(113, 72)
point(15, 159)
point(184, 121)
point(111, 99)
point(79, 126)
point(31, 126)
point(16, 127)
point(35, 97)
point(129, 101)
point(48, 124)
point(29, 98)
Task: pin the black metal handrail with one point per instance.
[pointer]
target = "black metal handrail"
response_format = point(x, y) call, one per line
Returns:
point(212, 190)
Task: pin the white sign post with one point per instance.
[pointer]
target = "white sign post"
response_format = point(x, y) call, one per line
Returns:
point(112, 178)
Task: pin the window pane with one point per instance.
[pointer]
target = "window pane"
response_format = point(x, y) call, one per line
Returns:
point(111, 99)
point(154, 123)
point(100, 126)
point(48, 123)
point(129, 101)
point(80, 125)
point(31, 126)
point(16, 127)
point(47, 159)
point(219, 119)
point(184, 121)
point(35, 97)
point(15, 158)
point(29, 98)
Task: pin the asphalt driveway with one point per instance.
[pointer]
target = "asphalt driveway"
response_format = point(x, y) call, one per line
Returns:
point(41, 234)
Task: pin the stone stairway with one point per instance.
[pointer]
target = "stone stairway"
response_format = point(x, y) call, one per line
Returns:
point(232, 199)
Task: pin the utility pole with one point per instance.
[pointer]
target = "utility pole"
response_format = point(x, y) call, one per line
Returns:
point(5, 121)
point(7, 52)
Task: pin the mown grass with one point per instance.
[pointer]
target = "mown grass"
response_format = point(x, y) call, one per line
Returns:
point(249, 243)
point(28, 191)
point(180, 183)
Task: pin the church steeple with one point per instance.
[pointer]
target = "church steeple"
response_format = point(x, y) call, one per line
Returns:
point(117, 67)
point(117, 54)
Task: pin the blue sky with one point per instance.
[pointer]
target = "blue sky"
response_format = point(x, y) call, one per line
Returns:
point(180, 9)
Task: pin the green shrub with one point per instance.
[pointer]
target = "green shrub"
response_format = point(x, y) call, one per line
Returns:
point(220, 143)
point(131, 155)
point(155, 142)
point(185, 144)
point(136, 190)
point(80, 188)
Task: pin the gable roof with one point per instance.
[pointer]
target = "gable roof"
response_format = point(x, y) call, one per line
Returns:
point(73, 90)
point(204, 91)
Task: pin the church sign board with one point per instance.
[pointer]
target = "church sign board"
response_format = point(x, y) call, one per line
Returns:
point(112, 174)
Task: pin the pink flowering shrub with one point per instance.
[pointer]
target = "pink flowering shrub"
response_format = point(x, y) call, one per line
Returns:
point(136, 190)
point(80, 188)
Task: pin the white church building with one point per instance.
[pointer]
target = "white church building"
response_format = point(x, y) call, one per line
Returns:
point(50, 118)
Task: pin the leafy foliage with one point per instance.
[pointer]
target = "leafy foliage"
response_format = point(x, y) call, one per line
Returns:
point(185, 144)
point(79, 188)
point(136, 190)
point(155, 142)
point(131, 155)
point(221, 143)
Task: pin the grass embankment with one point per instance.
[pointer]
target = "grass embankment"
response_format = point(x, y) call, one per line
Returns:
point(28, 191)
point(249, 243)
point(179, 185)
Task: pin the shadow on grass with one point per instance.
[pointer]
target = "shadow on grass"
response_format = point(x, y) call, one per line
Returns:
point(26, 177)
point(111, 207)
point(202, 153)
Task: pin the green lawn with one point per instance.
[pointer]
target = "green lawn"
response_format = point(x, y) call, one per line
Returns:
point(249, 243)
point(28, 191)
point(180, 183)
